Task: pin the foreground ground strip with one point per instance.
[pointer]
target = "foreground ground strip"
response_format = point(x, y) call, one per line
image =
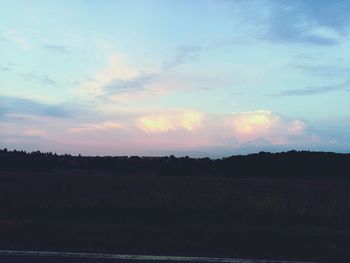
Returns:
point(140, 257)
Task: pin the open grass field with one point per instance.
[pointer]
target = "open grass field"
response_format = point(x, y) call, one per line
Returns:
point(203, 216)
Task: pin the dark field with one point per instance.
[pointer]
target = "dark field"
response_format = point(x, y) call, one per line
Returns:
point(175, 215)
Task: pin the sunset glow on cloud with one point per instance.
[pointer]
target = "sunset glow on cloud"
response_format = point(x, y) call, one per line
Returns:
point(163, 123)
point(186, 77)
point(254, 123)
point(263, 124)
point(157, 124)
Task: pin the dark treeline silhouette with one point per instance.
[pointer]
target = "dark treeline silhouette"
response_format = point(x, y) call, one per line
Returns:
point(291, 164)
point(264, 205)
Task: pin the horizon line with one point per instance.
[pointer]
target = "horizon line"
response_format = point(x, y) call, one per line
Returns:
point(170, 155)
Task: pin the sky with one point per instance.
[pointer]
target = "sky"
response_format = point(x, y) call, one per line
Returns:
point(185, 77)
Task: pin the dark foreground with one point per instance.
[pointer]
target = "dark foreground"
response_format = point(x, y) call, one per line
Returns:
point(52, 259)
point(70, 210)
point(58, 257)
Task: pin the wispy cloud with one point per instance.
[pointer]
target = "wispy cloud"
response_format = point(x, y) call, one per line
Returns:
point(42, 79)
point(143, 80)
point(315, 90)
point(116, 69)
point(321, 70)
point(12, 105)
point(322, 23)
point(5, 68)
point(117, 86)
point(118, 79)
point(182, 55)
point(312, 22)
point(57, 49)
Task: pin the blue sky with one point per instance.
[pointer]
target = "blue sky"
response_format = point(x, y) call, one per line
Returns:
point(210, 77)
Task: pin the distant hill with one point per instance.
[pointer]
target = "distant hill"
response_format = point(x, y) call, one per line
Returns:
point(291, 164)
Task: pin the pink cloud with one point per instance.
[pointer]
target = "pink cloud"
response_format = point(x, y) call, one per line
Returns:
point(96, 127)
point(35, 132)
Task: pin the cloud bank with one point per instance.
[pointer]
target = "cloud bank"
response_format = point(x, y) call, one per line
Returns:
point(34, 125)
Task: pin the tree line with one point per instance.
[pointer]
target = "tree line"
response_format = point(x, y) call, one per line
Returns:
point(291, 164)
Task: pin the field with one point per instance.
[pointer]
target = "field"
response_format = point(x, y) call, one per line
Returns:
point(73, 210)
